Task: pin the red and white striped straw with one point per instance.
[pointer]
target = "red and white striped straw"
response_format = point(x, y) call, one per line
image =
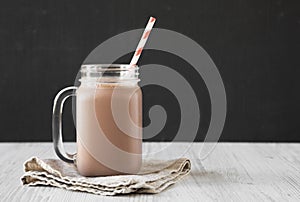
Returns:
point(143, 41)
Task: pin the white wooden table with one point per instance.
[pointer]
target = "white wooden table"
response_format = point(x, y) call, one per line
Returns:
point(233, 172)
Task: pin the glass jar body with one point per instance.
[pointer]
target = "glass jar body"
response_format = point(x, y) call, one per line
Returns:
point(108, 120)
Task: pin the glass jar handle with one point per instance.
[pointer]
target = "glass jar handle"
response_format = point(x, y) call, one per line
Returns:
point(58, 104)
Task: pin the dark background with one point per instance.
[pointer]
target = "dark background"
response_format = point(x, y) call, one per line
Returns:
point(254, 43)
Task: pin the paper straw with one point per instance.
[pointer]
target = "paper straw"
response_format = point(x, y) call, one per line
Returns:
point(143, 41)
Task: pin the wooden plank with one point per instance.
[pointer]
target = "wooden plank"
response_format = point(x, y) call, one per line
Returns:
point(233, 172)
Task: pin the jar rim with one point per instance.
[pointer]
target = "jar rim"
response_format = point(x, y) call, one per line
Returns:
point(106, 67)
point(109, 73)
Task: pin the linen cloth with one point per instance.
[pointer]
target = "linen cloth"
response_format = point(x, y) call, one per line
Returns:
point(154, 177)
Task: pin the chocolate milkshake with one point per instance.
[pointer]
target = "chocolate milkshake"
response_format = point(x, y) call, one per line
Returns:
point(105, 147)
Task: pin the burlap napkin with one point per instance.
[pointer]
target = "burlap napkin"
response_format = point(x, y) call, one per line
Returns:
point(155, 176)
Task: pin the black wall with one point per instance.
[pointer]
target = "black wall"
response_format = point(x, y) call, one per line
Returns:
point(254, 43)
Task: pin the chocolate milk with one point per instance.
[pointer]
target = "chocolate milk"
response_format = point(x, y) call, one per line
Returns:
point(106, 146)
